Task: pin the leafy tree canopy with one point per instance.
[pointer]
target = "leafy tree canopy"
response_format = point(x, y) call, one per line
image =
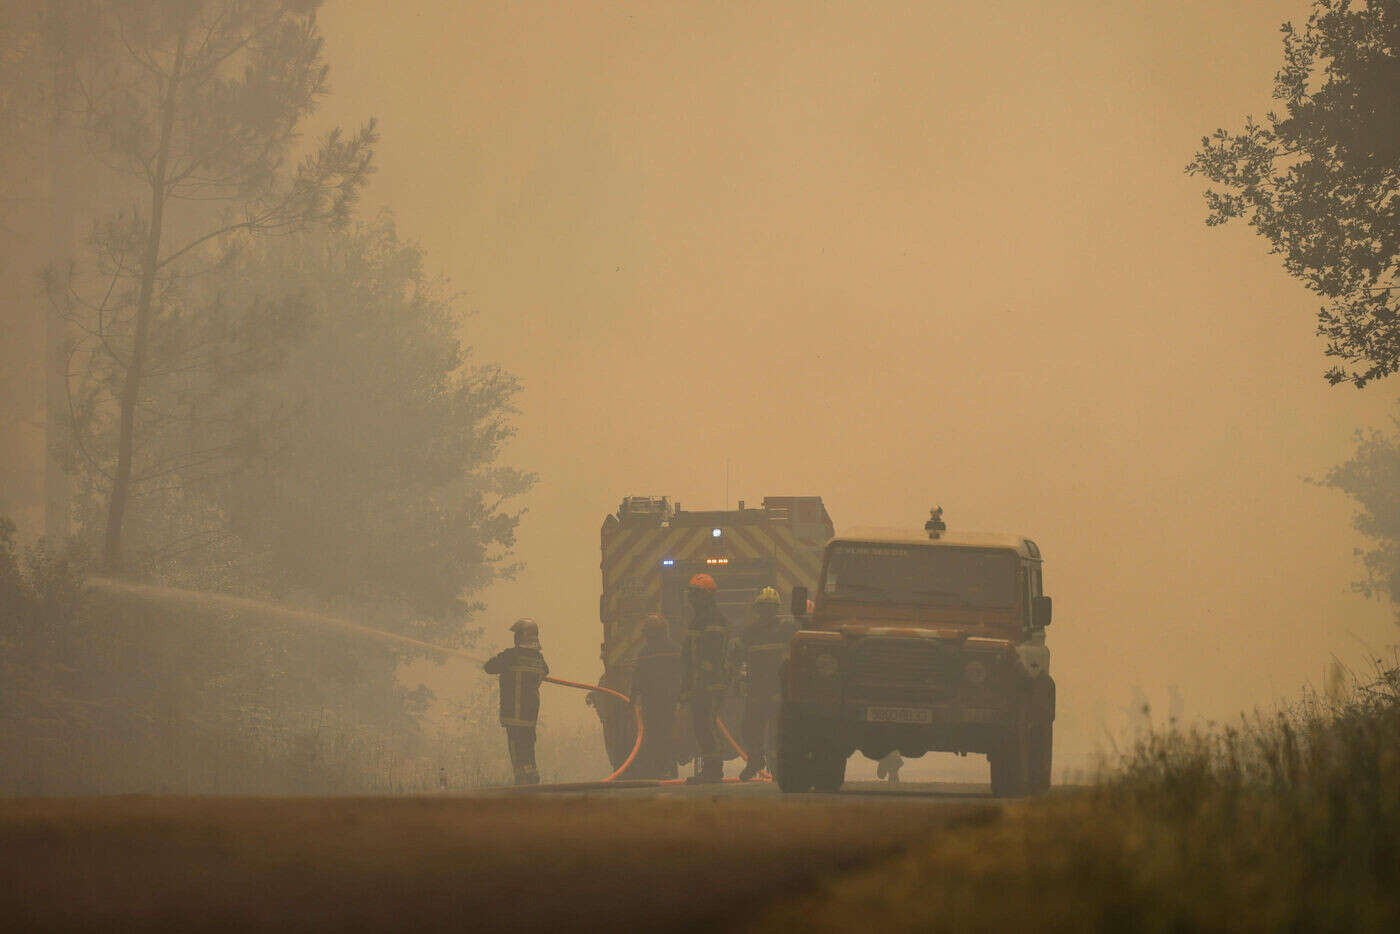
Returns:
point(314, 427)
point(1320, 180)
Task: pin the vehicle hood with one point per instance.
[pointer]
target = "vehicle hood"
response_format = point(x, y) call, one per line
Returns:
point(1003, 636)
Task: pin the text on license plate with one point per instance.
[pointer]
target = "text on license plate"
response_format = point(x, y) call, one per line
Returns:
point(898, 715)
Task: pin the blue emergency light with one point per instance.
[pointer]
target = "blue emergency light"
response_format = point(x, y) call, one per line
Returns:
point(668, 561)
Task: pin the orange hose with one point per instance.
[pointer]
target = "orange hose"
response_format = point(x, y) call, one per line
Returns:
point(636, 712)
point(739, 749)
point(636, 747)
point(588, 687)
point(732, 741)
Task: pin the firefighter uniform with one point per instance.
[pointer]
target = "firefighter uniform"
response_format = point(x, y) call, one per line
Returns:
point(705, 675)
point(520, 671)
point(762, 649)
point(656, 687)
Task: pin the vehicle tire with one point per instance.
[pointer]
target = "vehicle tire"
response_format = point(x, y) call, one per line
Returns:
point(830, 772)
point(795, 765)
point(619, 731)
point(1042, 741)
point(1001, 780)
point(1010, 761)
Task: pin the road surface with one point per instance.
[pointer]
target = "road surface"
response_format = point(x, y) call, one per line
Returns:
point(626, 859)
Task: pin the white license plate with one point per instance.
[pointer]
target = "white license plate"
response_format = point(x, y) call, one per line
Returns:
point(898, 715)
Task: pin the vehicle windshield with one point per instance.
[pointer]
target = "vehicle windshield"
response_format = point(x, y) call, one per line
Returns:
point(947, 576)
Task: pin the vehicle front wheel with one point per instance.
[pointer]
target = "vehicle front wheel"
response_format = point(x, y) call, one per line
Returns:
point(797, 764)
point(830, 772)
point(1042, 741)
point(1010, 762)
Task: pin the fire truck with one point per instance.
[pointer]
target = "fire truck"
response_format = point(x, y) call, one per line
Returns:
point(651, 547)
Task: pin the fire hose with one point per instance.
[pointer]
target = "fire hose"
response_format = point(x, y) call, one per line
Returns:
point(641, 729)
point(636, 712)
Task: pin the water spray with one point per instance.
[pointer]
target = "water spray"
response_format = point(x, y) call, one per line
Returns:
point(204, 600)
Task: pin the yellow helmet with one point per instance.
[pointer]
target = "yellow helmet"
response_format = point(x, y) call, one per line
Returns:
point(768, 596)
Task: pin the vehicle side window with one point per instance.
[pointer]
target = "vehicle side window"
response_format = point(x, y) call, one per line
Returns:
point(1032, 590)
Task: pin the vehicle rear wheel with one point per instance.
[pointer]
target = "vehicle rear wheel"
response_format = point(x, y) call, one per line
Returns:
point(619, 730)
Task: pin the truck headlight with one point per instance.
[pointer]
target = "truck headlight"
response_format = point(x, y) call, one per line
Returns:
point(825, 664)
point(975, 672)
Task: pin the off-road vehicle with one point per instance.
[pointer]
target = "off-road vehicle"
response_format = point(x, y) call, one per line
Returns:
point(920, 643)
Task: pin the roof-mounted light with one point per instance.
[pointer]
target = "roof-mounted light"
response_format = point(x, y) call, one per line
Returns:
point(935, 526)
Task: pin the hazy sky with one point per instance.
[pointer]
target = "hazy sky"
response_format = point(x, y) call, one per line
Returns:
point(890, 254)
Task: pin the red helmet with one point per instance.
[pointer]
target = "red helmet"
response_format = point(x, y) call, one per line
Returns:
point(703, 582)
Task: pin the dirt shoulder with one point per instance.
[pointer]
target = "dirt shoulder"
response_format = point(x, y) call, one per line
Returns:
point(525, 862)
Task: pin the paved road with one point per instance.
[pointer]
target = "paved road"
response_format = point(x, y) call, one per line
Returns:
point(907, 793)
point(626, 859)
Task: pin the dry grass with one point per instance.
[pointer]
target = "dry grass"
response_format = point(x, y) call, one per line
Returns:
point(1288, 822)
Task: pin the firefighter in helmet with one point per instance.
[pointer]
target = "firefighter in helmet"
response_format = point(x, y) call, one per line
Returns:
point(520, 670)
point(762, 648)
point(705, 676)
point(656, 686)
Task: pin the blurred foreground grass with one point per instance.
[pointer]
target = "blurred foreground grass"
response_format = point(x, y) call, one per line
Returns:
point(1288, 821)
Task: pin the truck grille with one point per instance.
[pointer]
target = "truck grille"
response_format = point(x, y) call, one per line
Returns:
point(913, 670)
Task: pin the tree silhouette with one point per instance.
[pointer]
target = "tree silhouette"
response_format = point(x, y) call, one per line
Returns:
point(323, 433)
point(1371, 477)
point(201, 112)
point(1321, 180)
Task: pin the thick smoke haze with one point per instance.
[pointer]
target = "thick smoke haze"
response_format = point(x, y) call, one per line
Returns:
point(893, 256)
point(348, 349)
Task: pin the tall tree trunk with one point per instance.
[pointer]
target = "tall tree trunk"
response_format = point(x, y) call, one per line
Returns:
point(62, 222)
point(57, 482)
point(150, 267)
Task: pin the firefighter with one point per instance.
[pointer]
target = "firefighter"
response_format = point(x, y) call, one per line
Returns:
point(656, 686)
point(763, 647)
point(705, 677)
point(521, 669)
